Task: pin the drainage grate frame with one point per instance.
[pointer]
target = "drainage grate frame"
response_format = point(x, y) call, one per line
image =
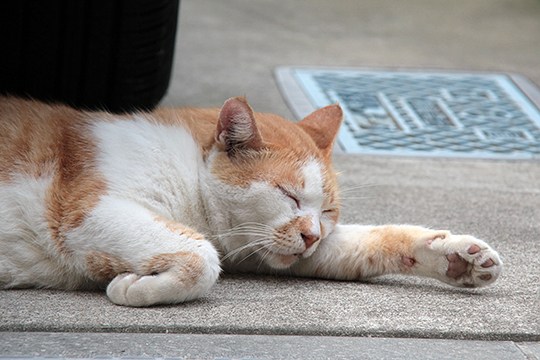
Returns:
point(422, 113)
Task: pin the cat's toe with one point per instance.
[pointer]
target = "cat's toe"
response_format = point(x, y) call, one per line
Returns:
point(118, 288)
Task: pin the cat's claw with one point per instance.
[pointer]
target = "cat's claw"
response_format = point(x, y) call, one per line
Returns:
point(465, 261)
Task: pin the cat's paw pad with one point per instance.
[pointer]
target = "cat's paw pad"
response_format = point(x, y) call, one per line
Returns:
point(467, 262)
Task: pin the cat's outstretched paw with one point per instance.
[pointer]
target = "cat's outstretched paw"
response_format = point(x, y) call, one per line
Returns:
point(463, 260)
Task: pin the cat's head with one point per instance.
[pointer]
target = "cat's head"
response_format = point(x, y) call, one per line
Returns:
point(273, 183)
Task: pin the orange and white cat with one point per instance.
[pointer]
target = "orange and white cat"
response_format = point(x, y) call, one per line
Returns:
point(152, 205)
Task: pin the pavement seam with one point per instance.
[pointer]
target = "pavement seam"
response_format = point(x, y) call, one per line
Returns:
point(234, 330)
point(524, 349)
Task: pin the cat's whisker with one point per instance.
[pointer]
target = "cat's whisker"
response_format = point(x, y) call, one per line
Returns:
point(248, 228)
point(279, 247)
point(263, 241)
point(251, 223)
point(263, 257)
point(246, 233)
point(253, 252)
point(357, 198)
point(356, 189)
point(263, 231)
point(264, 247)
point(236, 251)
point(355, 193)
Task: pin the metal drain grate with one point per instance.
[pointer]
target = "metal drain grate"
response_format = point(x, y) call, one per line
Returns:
point(423, 113)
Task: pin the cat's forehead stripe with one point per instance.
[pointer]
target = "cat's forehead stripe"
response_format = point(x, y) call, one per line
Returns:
point(312, 178)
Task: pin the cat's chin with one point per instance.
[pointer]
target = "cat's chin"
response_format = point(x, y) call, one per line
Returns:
point(280, 261)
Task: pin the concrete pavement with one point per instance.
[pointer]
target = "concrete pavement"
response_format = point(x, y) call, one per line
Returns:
point(229, 48)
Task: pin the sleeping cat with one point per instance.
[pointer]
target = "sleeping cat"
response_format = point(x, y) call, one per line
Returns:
point(152, 205)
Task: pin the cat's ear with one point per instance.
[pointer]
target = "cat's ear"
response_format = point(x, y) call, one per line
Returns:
point(236, 128)
point(323, 126)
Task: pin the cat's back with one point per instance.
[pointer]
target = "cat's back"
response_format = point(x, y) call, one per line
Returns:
point(32, 141)
point(31, 136)
point(77, 153)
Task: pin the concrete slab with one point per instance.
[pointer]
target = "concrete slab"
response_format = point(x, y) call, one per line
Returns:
point(147, 346)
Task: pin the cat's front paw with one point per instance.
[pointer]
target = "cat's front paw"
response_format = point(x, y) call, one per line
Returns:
point(463, 260)
point(117, 291)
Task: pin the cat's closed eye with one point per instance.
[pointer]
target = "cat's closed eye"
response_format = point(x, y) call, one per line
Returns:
point(288, 194)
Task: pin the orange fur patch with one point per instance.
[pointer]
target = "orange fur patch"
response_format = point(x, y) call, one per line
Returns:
point(103, 267)
point(393, 240)
point(40, 140)
point(387, 246)
point(187, 266)
point(202, 123)
point(179, 229)
point(29, 138)
point(322, 125)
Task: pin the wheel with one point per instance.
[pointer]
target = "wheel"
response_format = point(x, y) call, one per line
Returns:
point(95, 54)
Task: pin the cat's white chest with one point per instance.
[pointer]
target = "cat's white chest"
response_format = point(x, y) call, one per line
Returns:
point(155, 165)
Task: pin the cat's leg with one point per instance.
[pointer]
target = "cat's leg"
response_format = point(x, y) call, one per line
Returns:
point(360, 252)
point(150, 260)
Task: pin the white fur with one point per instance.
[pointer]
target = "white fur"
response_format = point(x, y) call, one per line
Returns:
point(155, 165)
point(312, 200)
point(28, 254)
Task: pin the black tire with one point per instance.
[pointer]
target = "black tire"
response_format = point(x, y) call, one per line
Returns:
point(94, 54)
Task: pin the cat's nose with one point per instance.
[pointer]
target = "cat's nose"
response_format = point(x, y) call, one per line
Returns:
point(310, 239)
